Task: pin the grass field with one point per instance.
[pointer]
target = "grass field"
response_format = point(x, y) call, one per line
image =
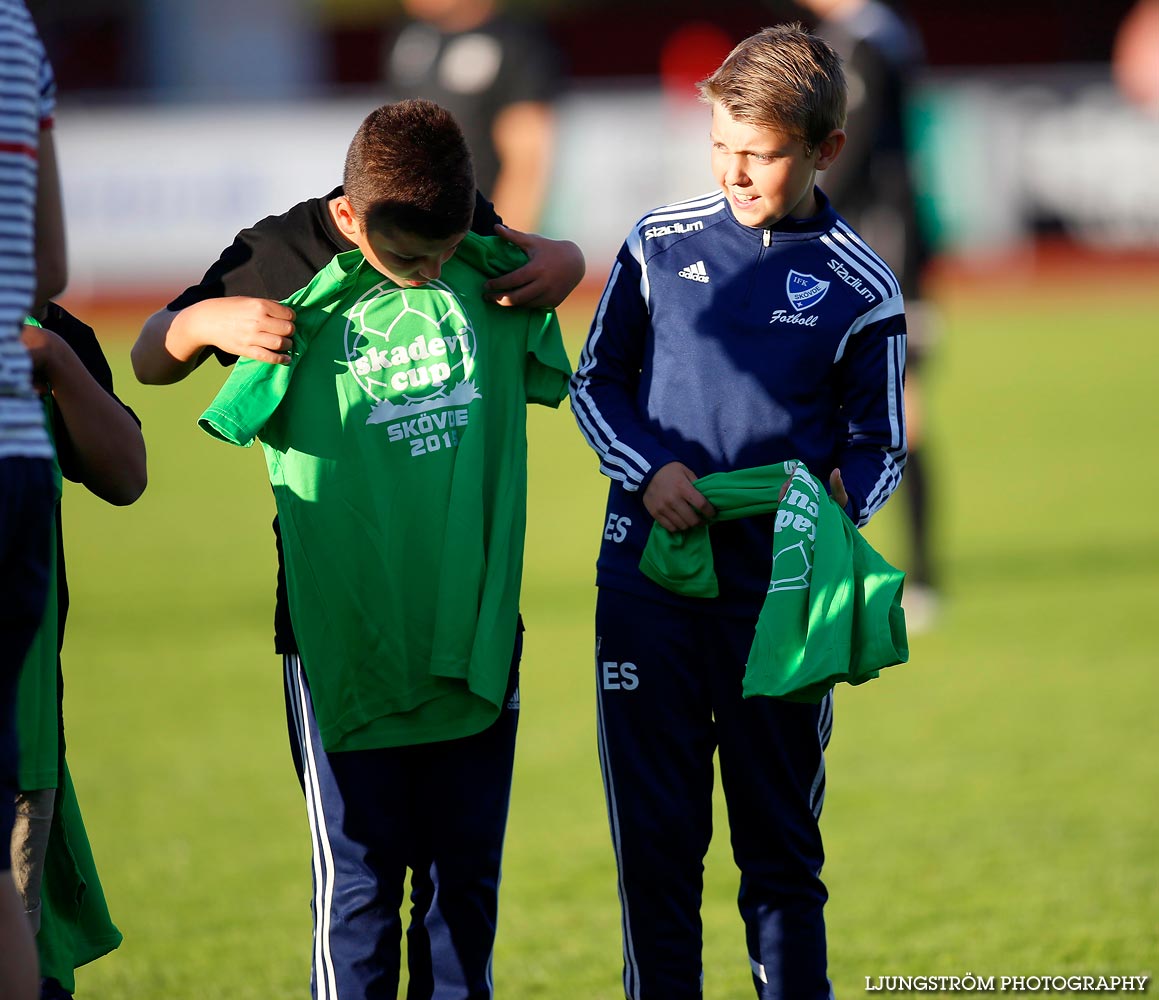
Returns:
point(992, 805)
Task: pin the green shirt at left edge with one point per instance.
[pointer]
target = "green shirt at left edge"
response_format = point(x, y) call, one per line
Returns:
point(38, 694)
point(396, 445)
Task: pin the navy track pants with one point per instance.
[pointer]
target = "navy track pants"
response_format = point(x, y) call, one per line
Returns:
point(669, 695)
point(438, 809)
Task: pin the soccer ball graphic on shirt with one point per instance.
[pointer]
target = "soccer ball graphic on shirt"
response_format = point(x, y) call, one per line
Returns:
point(412, 349)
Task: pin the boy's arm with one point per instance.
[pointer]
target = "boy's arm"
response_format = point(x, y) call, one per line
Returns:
point(172, 344)
point(871, 375)
point(51, 250)
point(604, 393)
point(552, 271)
point(106, 440)
point(524, 136)
point(233, 311)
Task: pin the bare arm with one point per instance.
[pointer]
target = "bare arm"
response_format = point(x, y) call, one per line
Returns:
point(173, 344)
point(51, 251)
point(155, 360)
point(523, 134)
point(107, 441)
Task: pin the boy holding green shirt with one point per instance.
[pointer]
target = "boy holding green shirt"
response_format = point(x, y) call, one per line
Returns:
point(740, 329)
point(396, 446)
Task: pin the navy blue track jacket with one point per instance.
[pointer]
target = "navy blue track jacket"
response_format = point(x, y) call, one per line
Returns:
point(726, 347)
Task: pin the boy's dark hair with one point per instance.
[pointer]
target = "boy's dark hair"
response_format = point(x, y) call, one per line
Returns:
point(783, 79)
point(409, 168)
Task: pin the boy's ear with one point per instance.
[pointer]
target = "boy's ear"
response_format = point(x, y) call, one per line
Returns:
point(829, 147)
point(343, 214)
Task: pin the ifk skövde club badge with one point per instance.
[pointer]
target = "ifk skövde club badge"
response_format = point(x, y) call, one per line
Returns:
point(804, 290)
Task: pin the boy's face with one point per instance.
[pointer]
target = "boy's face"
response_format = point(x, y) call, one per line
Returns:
point(765, 175)
point(406, 258)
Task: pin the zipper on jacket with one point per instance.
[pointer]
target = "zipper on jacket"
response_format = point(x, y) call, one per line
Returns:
point(766, 241)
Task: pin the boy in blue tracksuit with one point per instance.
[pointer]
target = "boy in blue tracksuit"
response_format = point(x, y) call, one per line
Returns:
point(743, 328)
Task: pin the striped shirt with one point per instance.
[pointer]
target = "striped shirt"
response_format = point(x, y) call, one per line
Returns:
point(27, 100)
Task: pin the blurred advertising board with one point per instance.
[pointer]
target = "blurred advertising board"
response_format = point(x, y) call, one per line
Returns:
point(154, 193)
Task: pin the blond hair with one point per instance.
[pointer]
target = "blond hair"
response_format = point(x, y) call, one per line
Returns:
point(783, 79)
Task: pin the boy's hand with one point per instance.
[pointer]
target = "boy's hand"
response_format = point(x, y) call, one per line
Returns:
point(674, 502)
point(553, 269)
point(837, 489)
point(44, 347)
point(248, 327)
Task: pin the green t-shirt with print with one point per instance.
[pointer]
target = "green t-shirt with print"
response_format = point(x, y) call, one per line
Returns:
point(396, 446)
point(833, 611)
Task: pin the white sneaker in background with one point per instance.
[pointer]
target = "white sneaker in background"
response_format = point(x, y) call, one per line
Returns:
point(922, 607)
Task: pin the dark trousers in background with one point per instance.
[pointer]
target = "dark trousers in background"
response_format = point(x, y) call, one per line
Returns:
point(26, 505)
point(669, 686)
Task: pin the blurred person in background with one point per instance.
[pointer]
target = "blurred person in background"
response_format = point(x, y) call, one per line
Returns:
point(498, 76)
point(33, 267)
point(1135, 56)
point(872, 187)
